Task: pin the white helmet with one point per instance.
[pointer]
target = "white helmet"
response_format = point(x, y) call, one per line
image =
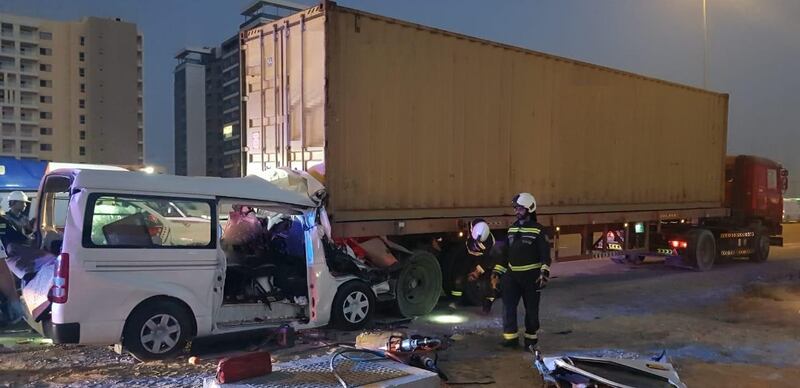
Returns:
point(18, 196)
point(525, 200)
point(480, 230)
point(480, 238)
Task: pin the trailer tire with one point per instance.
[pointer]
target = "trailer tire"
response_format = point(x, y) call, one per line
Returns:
point(761, 250)
point(702, 249)
point(419, 284)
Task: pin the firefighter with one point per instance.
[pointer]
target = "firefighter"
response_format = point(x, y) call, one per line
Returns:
point(524, 272)
point(15, 228)
point(466, 262)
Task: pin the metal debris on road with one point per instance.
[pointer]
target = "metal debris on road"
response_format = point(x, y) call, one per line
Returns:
point(611, 372)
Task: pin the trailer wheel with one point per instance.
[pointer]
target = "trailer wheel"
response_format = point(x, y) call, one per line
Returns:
point(419, 284)
point(702, 249)
point(761, 251)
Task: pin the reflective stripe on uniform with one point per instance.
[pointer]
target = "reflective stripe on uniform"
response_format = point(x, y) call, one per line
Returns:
point(545, 267)
point(510, 336)
point(521, 268)
point(531, 336)
point(524, 230)
point(499, 268)
point(456, 293)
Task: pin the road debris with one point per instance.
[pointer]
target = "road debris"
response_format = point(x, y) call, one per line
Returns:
point(611, 372)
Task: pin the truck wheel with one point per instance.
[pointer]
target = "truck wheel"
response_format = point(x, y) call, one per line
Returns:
point(419, 284)
point(353, 306)
point(157, 330)
point(702, 249)
point(761, 250)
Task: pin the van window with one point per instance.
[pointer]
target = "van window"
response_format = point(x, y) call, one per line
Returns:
point(121, 221)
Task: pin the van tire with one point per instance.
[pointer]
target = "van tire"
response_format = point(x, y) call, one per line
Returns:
point(157, 330)
point(353, 306)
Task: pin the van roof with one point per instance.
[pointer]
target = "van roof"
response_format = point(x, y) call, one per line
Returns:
point(250, 187)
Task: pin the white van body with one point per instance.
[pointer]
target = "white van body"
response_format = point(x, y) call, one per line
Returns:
point(107, 284)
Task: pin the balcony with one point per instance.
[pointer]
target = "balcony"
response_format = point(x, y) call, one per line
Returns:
point(28, 49)
point(29, 103)
point(28, 33)
point(9, 146)
point(7, 114)
point(7, 30)
point(28, 131)
point(28, 147)
point(8, 64)
point(9, 130)
point(28, 86)
point(8, 47)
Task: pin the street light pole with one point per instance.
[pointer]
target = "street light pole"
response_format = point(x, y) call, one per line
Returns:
point(705, 45)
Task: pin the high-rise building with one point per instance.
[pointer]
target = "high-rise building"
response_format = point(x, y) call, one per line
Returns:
point(207, 111)
point(208, 100)
point(71, 91)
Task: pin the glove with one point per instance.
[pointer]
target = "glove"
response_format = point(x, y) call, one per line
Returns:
point(544, 277)
point(494, 280)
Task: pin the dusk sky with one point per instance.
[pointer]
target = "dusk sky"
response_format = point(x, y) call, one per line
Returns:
point(754, 48)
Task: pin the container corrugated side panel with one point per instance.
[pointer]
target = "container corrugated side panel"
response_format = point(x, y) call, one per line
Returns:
point(284, 86)
point(424, 123)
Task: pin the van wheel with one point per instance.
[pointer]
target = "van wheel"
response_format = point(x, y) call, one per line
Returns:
point(157, 330)
point(702, 250)
point(761, 251)
point(353, 306)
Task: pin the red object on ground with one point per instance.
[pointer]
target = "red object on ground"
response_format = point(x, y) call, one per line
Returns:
point(245, 366)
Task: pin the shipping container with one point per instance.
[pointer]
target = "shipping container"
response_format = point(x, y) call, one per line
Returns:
point(414, 122)
point(419, 130)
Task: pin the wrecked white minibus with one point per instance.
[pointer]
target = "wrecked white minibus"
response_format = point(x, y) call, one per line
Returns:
point(151, 261)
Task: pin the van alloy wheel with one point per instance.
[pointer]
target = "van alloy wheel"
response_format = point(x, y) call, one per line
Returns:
point(160, 334)
point(356, 307)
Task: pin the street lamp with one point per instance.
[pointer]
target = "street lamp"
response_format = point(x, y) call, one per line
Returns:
point(705, 45)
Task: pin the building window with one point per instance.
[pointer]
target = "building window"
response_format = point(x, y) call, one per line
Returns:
point(44, 35)
point(81, 56)
point(45, 67)
point(227, 132)
point(45, 131)
point(45, 115)
point(46, 99)
point(82, 72)
point(45, 147)
point(82, 151)
point(45, 51)
point(82, 103)
point(45, 83)
point(83, 88)
point(83, 41)
point(83, 119)
point(83, 135)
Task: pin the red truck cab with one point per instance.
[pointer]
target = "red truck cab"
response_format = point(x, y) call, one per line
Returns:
point(754, 188)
